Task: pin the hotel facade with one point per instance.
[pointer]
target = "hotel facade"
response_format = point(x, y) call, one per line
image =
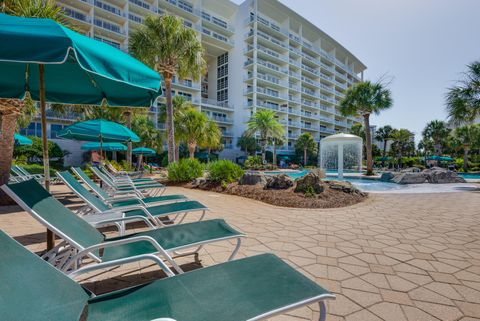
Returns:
point(260, 55)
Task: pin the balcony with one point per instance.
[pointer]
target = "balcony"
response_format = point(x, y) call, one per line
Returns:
point(271, 79)
point(310, 70)
point(77, 15)
point(67, 116)
point(309, 92)
point(294, 112)
point(216, 103)
point(293, 136)
point(227, 134)
point(142, 5)
point(271, 39)
point(325, 77)
point(185, 83)
point(341, 123)
point(181, 7)
point(327, 88)
point(268, 23)
point(327, 130)
point(218, 38)
point(218, 23)
point(294, 87)
point(135, 18)
point(294, 99)
point(295, 38)
point(271, 66)
point(221, 119)
point(294, 124)
point(111, 43)
point(109, 8)
point(295, 74)
point(109, 27)
point(272, 53)
point(329, 99)
point(271, 93)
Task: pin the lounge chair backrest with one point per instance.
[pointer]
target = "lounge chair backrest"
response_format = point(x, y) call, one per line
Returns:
point(82, 192)
point(17, 171)
point(112, 168)
point(23, 170)
point(32, 289)
point(87, 180)
point(103, 177)
point(33, 198)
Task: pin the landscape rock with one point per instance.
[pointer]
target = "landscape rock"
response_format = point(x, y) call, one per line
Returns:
point(307, 182)
point(387, 176)
point(281, 181)
point(442, 176)
point(253, 179)
point(410, 178)
point(199, 182)
point(411, 170)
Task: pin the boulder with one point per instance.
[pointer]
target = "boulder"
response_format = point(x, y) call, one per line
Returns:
point(199, 182)
point(281, 181)
point(387, 176)
point(409, 178)
point(344, 186)
point(253, 179)
point(308, 182)
point(319, 172)
point(411, 170)
point(442, 176)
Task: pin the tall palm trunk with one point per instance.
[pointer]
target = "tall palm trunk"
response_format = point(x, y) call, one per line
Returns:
point(128, 117)
point(384, 152)
point(466, 149)
point(170, 128)
point(9, 111)
point(368, 144)
point(191, 149)
point(274, 153)
point(264, 150)
point(305, 157)
point(139, 162)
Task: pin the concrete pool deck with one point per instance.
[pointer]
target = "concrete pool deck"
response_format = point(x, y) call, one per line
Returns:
point(398, 257)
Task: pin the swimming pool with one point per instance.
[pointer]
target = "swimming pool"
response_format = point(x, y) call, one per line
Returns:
point(472, 176)
point(376, 186)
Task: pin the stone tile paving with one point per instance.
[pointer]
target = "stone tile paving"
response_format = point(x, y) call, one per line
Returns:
point(394, 257)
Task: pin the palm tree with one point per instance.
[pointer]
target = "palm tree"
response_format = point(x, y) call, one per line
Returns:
point(212, 138)
point(12, 109)
point(247, 143)
point(173, 50)
point(384, 134)
point(306, 144)
point(463, 100)
point(366, 98)
point(466, 137)
point(276, 141)
point(436, 131)
point(264, 123)
point(402, 141)
point(192, 129)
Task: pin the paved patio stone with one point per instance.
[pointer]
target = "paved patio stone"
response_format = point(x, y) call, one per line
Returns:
point(412, 257)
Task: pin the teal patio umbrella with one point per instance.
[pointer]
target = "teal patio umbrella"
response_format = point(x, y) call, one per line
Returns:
point(56, 64)
point(99, 130)
point(143, 152)
point(21, 140)
point(112, 147)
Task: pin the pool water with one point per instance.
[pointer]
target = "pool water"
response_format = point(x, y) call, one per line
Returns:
point(473, 176)
point(377, 186)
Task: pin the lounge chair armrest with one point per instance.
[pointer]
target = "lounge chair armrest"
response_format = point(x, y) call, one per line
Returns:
point(130, 218)
point(103, 265)
point(131, 208)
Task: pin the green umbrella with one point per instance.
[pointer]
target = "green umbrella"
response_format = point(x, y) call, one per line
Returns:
point(113, 147)
point(143, 151)
point(99, 130)
point(56, 64)
point(22, 140)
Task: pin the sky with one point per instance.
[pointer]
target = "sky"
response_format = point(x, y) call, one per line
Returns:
point(420, 46)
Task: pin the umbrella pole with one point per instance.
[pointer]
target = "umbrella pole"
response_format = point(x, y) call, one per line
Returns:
point(46, 166)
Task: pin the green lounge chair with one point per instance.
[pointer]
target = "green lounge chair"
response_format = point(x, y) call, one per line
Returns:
point(151, 189)
point(254, 288)
point(82, 240)
point(114, 171)
point(125, 177)
point(103, 210)
point(125, 198)
point(22, 172)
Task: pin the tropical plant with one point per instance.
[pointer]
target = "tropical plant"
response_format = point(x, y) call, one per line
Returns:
point(357, 130)
point(212, 139)
point(306, 144)
point(466, 137)
point(173, 50)
point(224, 171)
point(192, 129)
point(276, 141)
point(436, 131)
point(247, 144)
point(185, 170)
point(384, 134)
point(264, 123)
point(253, 162)
point(463, 100)
point(363, 99)
point(12, 109)
point(402, 141)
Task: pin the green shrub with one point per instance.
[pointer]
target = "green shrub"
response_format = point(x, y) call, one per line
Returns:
point(224, 171)
point(36, 149)
point(253, 162)
point(185, 170)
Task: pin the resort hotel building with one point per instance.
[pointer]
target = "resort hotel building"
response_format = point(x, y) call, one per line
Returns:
point(260, 55)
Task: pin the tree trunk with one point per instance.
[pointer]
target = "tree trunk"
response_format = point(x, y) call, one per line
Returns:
point(139, 162)
point(465, 159)
point(274, 153)
point(128, 118)
point(191, 150)
point(170, 128)
point(304, 157)
point(368, 143)
point(384, 152)
point(7, 126)
point(264, 151)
